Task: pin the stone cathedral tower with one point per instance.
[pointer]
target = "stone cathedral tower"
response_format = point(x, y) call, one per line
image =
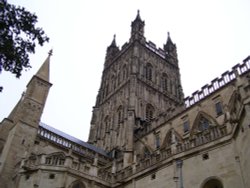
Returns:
point(139, 83)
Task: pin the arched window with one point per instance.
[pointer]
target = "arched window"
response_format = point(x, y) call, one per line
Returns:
point(149, 72)
point(213, 183)
point(149, 112)
point(204, 124)
point(164, 82)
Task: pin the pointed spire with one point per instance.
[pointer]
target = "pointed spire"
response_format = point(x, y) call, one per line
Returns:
point(169, 46)
point(112, 49)
point(43, 72)
point(169, 40)
point(113, 41)
point(137, 28)
point(138, 17)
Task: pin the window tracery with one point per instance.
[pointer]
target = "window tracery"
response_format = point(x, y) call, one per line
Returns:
point(55, 159)
point(149, 72)
point(149, 112)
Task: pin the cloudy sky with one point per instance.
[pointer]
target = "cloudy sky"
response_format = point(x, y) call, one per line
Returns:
point(211, 37)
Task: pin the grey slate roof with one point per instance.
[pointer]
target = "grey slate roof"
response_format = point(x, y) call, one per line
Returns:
point(73, 139)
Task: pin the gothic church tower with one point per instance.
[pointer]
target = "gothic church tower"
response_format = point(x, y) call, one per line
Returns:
point(139, 83)
point(18, 132)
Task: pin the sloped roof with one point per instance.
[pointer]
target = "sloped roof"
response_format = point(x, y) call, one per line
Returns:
point(73, 139)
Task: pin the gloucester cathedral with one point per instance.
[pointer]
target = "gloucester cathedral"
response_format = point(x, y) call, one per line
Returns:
point(144, 133)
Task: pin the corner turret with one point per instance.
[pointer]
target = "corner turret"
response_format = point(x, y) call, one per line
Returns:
point(137, 29)
point(112, 50)
point(171, 50)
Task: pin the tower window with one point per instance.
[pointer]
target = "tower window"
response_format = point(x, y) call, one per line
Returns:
point(164, 82)
point(149, 72)
point(149, 112)
point(218, 108)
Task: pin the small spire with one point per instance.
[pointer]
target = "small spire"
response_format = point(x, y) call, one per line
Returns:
point(169, 39)
point(138, 17)
point(43, 72)
point(113, 41)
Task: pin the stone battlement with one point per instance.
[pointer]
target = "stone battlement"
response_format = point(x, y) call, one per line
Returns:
point(217, 83)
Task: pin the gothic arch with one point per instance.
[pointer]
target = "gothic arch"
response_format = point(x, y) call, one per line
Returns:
point(59, 154)
point(202, 122)
point(212, 182)
point(77, 184)
point(171, 137)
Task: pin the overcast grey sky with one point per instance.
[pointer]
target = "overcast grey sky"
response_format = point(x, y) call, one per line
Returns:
point(211, 37)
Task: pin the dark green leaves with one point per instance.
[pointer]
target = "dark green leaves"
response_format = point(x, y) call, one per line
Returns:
point(18, 37)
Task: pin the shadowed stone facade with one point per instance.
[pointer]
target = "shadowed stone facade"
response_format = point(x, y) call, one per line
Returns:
point(143, 133)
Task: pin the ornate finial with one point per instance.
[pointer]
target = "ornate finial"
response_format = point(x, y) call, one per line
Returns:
point(168, 34)
point(50, 52)
point(138, 17)
point(113, 41)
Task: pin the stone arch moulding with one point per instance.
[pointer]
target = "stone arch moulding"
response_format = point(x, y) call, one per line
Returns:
point(212, 182)
point(172, 136)
point(196, 122)
point(77, 184)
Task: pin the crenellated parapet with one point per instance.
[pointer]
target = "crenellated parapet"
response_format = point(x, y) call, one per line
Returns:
point(218, 83)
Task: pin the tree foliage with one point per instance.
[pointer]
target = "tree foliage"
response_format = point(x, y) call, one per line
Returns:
point(18, 37)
